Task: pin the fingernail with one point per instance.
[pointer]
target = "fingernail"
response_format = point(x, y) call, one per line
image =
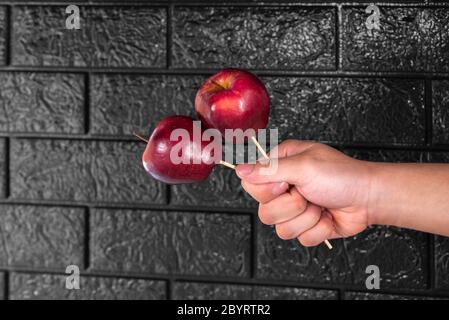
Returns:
point(244, 169)
point(280, 188)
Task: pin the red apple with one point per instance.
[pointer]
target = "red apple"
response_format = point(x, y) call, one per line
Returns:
point(163, 155)
point(233, 99)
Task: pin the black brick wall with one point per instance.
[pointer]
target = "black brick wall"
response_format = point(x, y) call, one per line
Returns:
point(73, 190)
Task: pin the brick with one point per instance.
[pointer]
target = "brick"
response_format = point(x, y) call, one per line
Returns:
point(221, 189)
point(41, 102)
point(409, 39)
point(52, 287)
point(348, 109)
point(108, 37)
point(214, 291)
point(121, 104)
point(440, 101)
point(400, 254)
point(3, 157)
point(77, 170)
point(254, 37)
point(41, 237)
point(383, 296)
point(442, 262)
point(170, 242)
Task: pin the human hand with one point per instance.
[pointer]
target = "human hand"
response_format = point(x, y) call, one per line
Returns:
point(316, 192)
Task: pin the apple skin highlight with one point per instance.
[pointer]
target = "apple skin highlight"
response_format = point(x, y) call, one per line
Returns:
point(233, 99)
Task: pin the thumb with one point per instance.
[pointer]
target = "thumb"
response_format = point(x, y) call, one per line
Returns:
point(286, 169)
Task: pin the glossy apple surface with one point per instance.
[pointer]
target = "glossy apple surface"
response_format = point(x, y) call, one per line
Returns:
point(233, 99)
point(158, 161)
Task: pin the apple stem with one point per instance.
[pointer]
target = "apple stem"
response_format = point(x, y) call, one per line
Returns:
point(227, 164)
point(140, 137)
point(217, 84)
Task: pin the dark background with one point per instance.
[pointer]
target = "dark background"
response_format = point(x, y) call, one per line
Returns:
point(73, 190)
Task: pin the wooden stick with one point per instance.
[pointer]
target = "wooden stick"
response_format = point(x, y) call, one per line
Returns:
point(140, 137)
point(262, 151)
point(227, 164)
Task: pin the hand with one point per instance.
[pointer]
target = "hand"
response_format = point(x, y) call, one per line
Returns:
point(316, 193)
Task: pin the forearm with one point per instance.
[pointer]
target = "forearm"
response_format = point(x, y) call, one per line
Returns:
point(414, 196)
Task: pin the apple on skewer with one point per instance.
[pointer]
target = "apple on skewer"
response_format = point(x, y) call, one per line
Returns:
point(235, 99)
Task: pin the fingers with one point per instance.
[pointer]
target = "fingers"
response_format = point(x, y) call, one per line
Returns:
point(264, 193)
point(323, 230)
point(283, 208)
point(291, 229)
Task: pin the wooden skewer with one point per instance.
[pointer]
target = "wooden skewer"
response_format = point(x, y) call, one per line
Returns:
point(140, 137)
point(328, 244)
point(227, 164)
point(265, 155)
point(262, 151)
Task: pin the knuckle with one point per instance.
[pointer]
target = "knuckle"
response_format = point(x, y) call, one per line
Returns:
point(264, 215)
point(306, 241)
point(284, 232)
point(300, 204)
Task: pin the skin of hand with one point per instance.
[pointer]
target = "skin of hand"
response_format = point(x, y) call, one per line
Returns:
point(318, 193)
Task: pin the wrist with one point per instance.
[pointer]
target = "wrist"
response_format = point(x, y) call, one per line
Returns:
point(380, 203)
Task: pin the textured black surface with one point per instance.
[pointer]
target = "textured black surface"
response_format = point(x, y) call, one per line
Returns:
point(3, 169)
point(42, 102)
point(265, 38)
point(221, 189)
point(170, 242)
point(50, 287)
point(348, 110)
point(41, 237)
point(73, 190)
point(382, 296)
point(121, 104)
point(109, 37)
point(440, 90)
point(201, 291)
point(97, 171)
point(400, 254)
point(409, 39)
point(442, 262)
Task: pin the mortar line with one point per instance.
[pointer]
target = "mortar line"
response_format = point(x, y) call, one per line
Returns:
point(169, 36)
point(428, 109)
point(87, 97)
point(7, 168)
point(339, 39)
point(86, 253)
point(209, 71)
point(8, 35)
